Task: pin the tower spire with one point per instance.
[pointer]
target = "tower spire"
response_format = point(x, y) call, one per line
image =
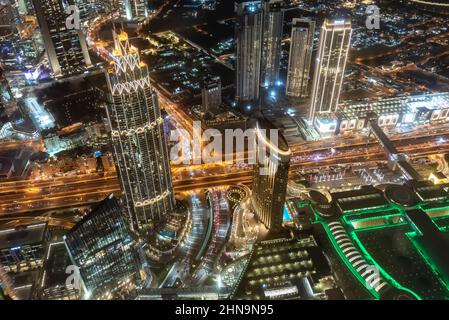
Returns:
point(115, 37)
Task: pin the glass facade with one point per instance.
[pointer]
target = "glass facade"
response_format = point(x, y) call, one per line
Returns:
point(66, 49)
point(300, 58)
point(249, 39)
point(330, 66)
point(138, 137)
point(102, 247)
point(272, 50)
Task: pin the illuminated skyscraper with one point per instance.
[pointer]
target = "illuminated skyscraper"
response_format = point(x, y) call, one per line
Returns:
point(66, 49)
point(300, 58)
point(272, 38)
point(138, 137)
point(20, 41)
point(103, 249)
point(249, 38)
point(211, 94)
point(270, 175)
point(333, 49)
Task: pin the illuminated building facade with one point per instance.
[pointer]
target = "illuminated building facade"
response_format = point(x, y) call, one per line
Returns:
point(52, 279)
point(134, 9)
point(333, 49)
point(22, 248)
point(275, 271)
point(270, 175)
point(272, 38)
point(249, 38)
point(394, 111)
point(89, 9)
point(66, 49)
point(138, 137)
point(211, 94)
point(102, 247)
point(20, 42)
point(300, 58)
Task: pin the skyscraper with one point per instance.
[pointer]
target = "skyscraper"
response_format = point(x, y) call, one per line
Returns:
point(249, 38)
point(66, 49)
point(140, 145)
point(300, 58)
point(270, 175)
point(333, 49)
point(102, 247)
point(20, 42)
point(211, 94)
point(272, 38)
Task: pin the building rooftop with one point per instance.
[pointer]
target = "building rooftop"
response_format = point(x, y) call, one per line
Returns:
point(56, 261)
point(24, 284)
point(23, 235)
point(364, 198)
point(285, 268)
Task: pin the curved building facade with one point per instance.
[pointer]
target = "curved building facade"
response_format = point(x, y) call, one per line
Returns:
point(270, 175)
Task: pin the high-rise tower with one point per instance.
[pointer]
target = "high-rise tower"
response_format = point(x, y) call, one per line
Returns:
point(103, 249)
point(270, 175)
point(300, 58)
point(138, 137)
point(66, 49)
point(211, 94)
point(333, 49)
point(272, 38)
point(249, 38)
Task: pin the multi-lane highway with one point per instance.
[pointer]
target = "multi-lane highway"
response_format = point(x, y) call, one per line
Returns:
point(31, 195)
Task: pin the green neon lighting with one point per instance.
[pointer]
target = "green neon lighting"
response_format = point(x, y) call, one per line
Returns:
point(359, 216)
point(412, 236)
point(392, 211)
point(354, 272)
point(385, 217)
point(385, 274)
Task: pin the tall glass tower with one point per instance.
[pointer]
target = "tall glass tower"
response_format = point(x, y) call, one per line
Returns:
point(66, 49)
point(300, 58)
point(272, 38)
point(103, 249)
point(335, 42)
point(138, 137)
point(270, 175)
point(249, 38)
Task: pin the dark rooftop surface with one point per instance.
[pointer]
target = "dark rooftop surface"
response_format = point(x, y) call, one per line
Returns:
point(364, 198)
point(427, 191)
point(431, 241)
point(24, 284)
point(16, 237)
point(56, 264)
